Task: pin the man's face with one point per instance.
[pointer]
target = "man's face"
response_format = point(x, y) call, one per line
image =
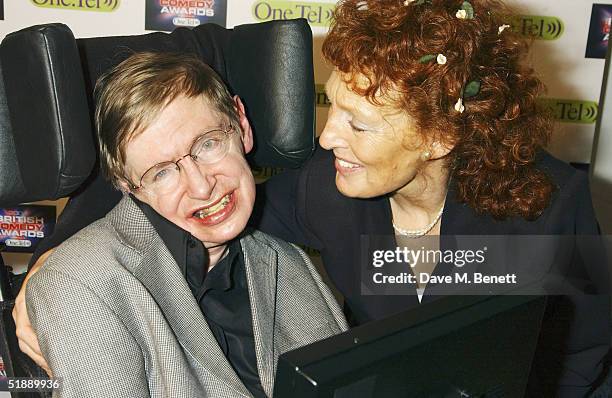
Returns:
point(212, 201)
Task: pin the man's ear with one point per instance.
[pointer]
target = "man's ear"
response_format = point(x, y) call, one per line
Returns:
point(123, 185)
point(246, 132)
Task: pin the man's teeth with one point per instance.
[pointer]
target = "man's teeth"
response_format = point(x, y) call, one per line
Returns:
point(213, 209)
point(347, 164)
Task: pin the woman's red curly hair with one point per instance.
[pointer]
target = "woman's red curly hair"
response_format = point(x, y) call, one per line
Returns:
point(498, 136)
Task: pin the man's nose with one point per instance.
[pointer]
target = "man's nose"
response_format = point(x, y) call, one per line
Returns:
point(199, 183)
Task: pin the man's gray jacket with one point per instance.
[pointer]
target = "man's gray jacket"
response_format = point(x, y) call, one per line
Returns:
point(115, 317)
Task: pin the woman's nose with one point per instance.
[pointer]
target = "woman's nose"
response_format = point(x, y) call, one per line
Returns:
point(333, 135)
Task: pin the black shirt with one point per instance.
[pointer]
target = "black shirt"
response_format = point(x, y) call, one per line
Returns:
point(222, 294)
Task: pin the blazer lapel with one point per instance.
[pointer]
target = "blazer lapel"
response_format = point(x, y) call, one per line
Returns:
point(156, 269)
point(260, 263)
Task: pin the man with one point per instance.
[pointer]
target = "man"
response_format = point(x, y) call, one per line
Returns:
point(169, 295)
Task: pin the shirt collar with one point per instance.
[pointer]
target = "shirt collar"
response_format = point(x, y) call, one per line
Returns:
point(221, 276)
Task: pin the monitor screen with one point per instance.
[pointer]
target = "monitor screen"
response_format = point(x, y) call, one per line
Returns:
point(462, 346)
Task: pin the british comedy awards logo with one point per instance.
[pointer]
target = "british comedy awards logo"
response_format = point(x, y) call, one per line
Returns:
point(23, 227)
point(79, 5)
point(166, 15)
point(317, 14)
point(599, 31)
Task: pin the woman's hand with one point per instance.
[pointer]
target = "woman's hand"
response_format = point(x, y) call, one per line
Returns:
point(28, 342)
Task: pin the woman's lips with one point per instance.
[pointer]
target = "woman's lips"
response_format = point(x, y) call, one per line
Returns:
point(344, 167)
point(217, 212)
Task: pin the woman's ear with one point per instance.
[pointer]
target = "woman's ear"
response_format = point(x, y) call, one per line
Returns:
point(246, 132)
point(440, 149)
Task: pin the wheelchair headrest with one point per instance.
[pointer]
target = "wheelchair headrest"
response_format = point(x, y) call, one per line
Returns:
point(46, 132)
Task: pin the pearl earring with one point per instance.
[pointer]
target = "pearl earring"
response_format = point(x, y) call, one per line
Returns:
point(425, 156)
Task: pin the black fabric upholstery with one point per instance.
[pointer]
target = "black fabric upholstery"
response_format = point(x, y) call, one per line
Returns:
point(50, 107)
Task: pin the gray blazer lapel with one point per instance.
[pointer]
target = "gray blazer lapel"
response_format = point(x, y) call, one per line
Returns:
point(153, 265)
point(261, 262)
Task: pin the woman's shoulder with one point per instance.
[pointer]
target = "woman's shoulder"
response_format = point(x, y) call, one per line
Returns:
point(571, 209)
point(562, 175)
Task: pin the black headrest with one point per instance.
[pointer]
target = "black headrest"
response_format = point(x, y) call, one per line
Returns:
point(48, 90)
point(46, 132)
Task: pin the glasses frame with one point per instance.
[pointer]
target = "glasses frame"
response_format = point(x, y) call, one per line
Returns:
point(227, 130)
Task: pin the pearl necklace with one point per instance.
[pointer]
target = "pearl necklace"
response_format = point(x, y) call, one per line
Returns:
point(417, 233)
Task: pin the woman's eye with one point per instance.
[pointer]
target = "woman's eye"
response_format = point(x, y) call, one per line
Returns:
point(358, 129)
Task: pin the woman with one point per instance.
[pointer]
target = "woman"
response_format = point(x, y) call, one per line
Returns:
point(434, 130)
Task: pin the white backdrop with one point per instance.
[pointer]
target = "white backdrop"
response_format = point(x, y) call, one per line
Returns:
point(561, 63)
point(558, 52)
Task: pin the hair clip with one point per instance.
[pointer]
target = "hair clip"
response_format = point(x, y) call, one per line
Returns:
point(362, 5)
point(502, 28)
point(440, 59)
point(466, 11)
point(459, 106)
point(471, 89)
point(416, 2)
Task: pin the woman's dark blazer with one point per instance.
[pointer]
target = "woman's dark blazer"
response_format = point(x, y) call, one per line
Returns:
point(304, 206)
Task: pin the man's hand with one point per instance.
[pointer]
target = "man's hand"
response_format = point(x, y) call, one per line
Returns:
point(28, 342)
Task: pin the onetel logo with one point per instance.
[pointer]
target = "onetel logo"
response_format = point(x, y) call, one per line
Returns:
point(321, 97)
point(82, 5)
point(263, 173)
point(571, 111)
point(538, 27)
point(317, 14)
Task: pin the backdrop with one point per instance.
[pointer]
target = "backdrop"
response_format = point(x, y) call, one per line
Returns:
point(569, 43)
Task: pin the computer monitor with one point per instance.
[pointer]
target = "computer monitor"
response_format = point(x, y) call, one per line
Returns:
point(461, 346)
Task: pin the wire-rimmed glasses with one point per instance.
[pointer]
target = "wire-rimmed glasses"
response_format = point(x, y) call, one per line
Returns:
point(208, 148)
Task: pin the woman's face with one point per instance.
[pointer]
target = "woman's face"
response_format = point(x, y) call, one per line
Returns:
point(376, 147)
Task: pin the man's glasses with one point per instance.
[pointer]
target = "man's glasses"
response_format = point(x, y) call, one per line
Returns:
point(208, 148)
